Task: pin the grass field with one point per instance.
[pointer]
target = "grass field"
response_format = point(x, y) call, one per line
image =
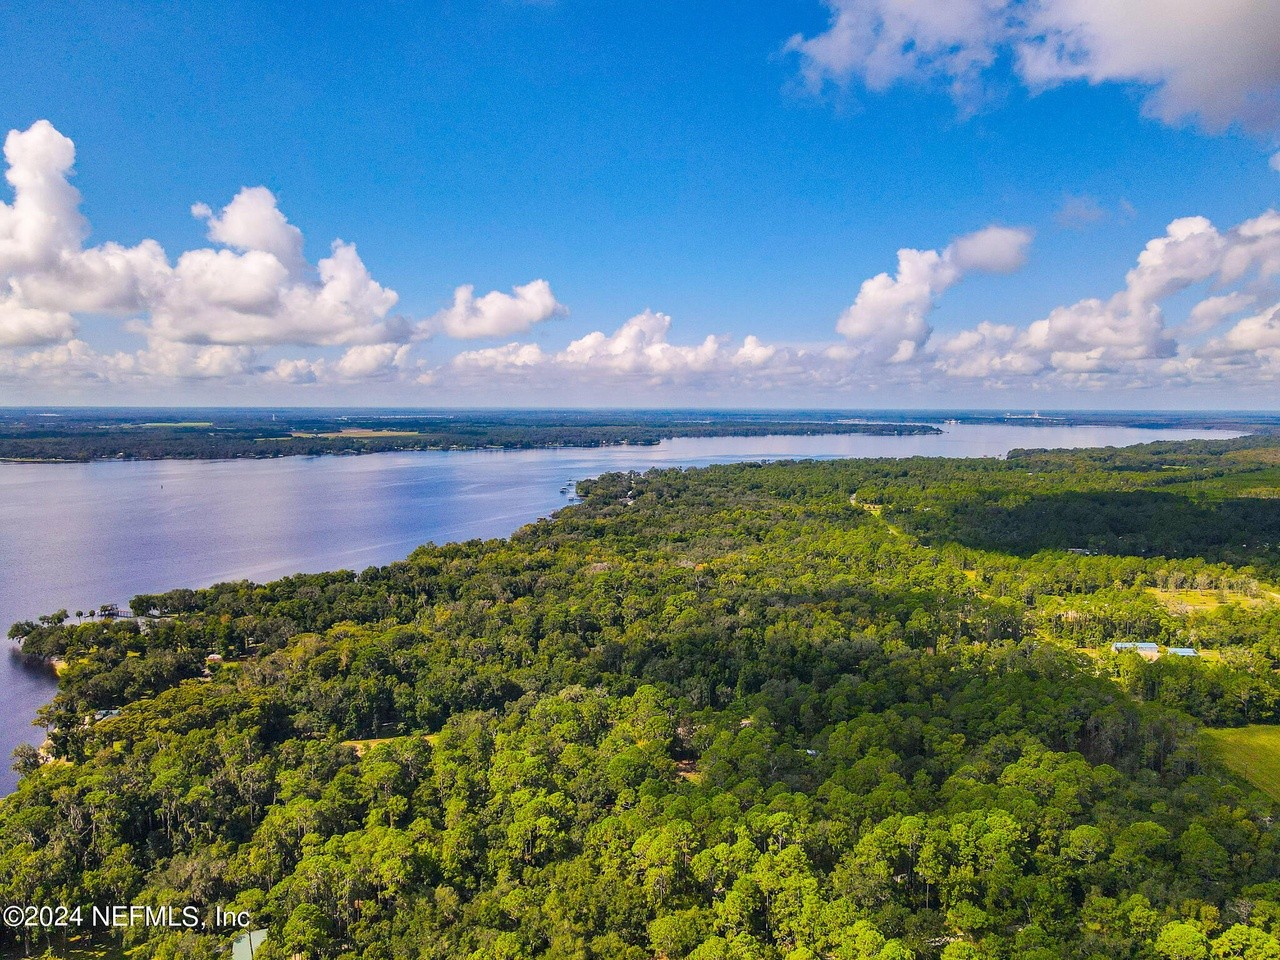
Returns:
point(1255, 483)
point(1188, 601)
point(1252, 752)
point(358, 433)
point(364, 746)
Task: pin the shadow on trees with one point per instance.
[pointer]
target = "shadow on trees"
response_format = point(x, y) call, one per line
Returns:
point(1139, 523)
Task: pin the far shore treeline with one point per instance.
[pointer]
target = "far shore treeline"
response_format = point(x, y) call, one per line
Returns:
point(860, 710)
point(185, 434)
point(49, 434)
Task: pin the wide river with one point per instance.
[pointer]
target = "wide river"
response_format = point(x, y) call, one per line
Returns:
point(75, 536)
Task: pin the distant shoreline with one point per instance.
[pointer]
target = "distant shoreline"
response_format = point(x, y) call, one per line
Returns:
point(85, 435)
point(101, 442)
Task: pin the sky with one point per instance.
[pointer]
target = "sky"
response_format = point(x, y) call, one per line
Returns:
point(839, 203)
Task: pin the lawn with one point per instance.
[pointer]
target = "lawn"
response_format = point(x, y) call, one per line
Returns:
point(1252, 752)
point(359, 433)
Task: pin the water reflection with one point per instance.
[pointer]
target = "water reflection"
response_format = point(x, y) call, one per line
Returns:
point(79, 535)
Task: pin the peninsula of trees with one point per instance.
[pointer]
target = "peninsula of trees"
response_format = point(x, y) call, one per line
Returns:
point(847, 710)
point(167, 434)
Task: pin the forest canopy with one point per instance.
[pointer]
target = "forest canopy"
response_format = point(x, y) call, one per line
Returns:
point(854, 709)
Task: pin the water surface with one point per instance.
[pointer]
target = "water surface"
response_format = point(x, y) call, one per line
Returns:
point(76, 536)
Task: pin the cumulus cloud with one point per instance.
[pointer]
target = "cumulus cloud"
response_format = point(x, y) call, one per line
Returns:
point(640, 346)
point(22, 326)
point(223, 313)
point(251, 221)
point(889, 317)
point(1119, 340)
point(754, 352)
point(1127, 332)
point(1218, 63)
point(1274, 162)
point(372, 360)
point(639, 351)
point(992, 249)
point(44, 219)
point(1258, 332)
point(42, 262)
point(887, 41)
point(206, 313)
point(496, 314)
point(219, 296)
point(1211, 311)
point(989, 351)
point(77, 361)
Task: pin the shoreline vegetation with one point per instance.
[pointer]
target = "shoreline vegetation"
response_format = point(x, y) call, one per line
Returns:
point(70, 435)
point(81, 436)
point(917, 709)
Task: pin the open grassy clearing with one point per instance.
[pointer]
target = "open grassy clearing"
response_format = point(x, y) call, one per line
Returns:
point(1252, 752)
point(1263, 483)
point(1189, 601)
point(364, 746)
point(358, 433)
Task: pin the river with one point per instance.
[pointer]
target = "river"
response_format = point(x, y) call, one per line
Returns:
point(75, 536)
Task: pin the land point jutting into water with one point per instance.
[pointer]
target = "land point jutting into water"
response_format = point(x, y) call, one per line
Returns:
point(558, 480)
point(72, 434)
point(872, 708)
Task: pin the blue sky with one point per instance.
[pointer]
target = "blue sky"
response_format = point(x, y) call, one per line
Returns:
point(669, 172)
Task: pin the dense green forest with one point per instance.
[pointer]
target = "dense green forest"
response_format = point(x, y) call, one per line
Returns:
point(166, 434)
point(849, 710)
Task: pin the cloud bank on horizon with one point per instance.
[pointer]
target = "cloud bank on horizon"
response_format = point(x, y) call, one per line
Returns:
point(212, 313)
point(1199, 306)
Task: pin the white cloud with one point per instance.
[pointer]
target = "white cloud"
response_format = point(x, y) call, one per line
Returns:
point(510, 356)
point(254, 289)
point(754, 352)
point(73, 360)
point(988, 351)
point(1097, 334)
point(887, 41)
point(890, 314)
point(76, 360)
point(638, 352)
point(640, 346)
point(1218, 62)
point(182, 361)
point(1120, 341)
point(496, 314)
point(41, 235)
point(1211, 311)
point(889, 317)
point(371, 360)
point(1274, 162)
point(251, 221)
point(44, 219)
point(993, 249)
point(296, 371)
point(29, 327)
point(1259, 332)
point(212, 315)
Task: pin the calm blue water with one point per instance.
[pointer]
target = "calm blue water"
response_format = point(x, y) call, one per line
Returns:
point(79, 535)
